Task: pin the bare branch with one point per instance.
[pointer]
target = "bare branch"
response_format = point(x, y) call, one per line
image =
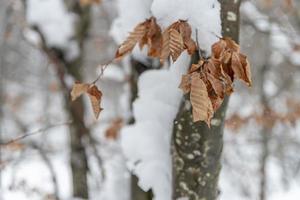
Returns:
point(33, 133)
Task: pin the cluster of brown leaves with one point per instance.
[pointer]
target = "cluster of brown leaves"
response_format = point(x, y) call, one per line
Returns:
point(93, 93)
point(209, 81)
point(84, 3)
point(172, 42)
point(268, 118)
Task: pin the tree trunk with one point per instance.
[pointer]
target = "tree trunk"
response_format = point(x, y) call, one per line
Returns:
point(196, 149)
point(63, 67)
point(76, 109)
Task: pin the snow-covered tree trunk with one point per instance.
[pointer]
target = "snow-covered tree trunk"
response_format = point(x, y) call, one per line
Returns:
point(196, 149)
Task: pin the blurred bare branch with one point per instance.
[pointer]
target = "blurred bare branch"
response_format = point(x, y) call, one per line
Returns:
point(33, 133)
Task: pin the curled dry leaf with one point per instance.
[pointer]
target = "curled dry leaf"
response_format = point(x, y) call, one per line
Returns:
point(95, 96)
point(202, 106)
point(93, 92)
point(145, 33)
point(223, 45)
point(246, 69)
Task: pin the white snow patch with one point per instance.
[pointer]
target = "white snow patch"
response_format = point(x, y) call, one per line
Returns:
point(53, 20)
point(131, 13)
point(146, 144)
point(196, 13)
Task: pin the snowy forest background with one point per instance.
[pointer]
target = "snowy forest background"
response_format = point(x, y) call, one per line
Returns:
point(260, 157)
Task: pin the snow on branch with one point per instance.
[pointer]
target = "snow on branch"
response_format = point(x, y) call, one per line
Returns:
point(55, 23)
point(146, 144)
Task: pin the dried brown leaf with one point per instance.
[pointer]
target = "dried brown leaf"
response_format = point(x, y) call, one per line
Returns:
point(154, 38)
point(223, 48)
point(177, 38)
point(133, 38)
point(146, 33)
point(218, 48)
point(217, 85)
point(197, 66)
point(78, 89)
point(176, 44)
point(202, 106)
point(186, 31)
point(231, 44)
point(165, 52)
point(95, 96)
point(185, 84)
point(216, 103)
point(241, 67)
point(247, 69)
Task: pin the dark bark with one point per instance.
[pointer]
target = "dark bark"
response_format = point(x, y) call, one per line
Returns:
point(76, 109)
point(196, 149)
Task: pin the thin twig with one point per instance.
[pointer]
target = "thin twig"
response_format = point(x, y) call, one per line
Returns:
point(102, 68)
point(33, 133)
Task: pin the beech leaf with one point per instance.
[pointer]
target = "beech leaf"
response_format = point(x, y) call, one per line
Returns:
point(154, 38)
point(176, 44)
point(177, 38)
point(241, 67)
point(185, 84)
point(201, 104)
point(78, 89)
point(93, 93)
point(95, 96)
point(133, 38)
